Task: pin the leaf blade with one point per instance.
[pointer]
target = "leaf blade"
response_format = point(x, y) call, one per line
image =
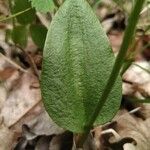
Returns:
point(28, 16)
point(77, 63)
point(38, 34)
point(43, 6)
point(19, 35)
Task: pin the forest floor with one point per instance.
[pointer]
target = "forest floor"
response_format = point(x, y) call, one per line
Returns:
point(24, 123)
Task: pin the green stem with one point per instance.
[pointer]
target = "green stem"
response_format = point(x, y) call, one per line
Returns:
point(136, 100)
point(146, 100)
point(14, 15)
point(129, 33)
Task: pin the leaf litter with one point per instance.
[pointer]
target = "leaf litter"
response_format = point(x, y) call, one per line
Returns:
point(25, 125)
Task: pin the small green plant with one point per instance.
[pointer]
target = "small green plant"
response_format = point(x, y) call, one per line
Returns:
point(80, 81)
point(23, 17)
point(77, 62)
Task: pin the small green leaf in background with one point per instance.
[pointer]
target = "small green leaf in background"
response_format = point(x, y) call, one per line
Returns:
point(27, 17)
point(38, 34)
point(20, 35)
point(77, 62)
point(43, 5)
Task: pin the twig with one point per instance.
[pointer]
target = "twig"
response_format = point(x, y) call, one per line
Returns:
point(144, 10)
point(31, 61)
point(135, 110)
point(13, 63)
point(43, 19)
point(128, 82)
point(146, 70)
point(130, 112)
point(116, 135)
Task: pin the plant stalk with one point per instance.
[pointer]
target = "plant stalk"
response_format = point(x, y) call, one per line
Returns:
point(129, 33)
point(14, 15)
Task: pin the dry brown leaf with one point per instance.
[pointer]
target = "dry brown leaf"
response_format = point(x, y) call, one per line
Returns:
point(20, 100)
point(6, 138)
point(140, 79)
point(6, 73)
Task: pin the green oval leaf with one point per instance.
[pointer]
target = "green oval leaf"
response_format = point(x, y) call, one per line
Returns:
point(43, 5)
point(27, 17)
point(77, 62)
point(38, 34)
point(19, 35)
